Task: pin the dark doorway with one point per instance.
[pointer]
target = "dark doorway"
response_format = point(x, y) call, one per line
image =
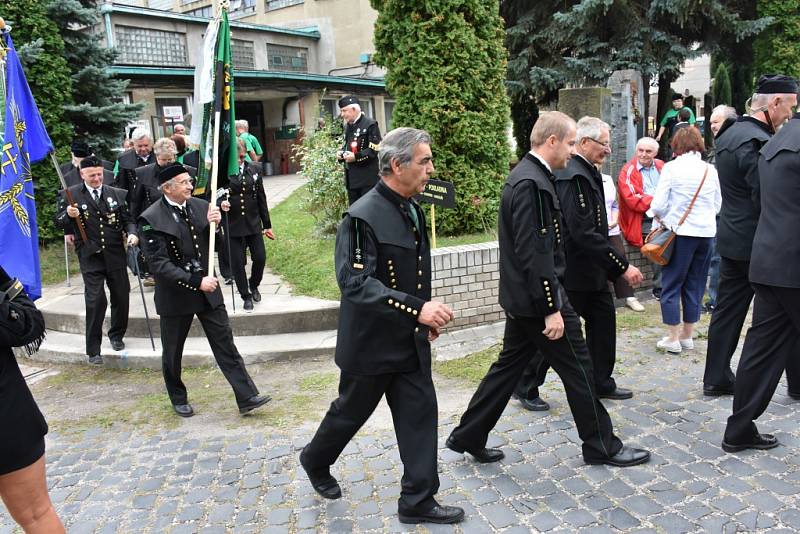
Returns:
point(253, 112)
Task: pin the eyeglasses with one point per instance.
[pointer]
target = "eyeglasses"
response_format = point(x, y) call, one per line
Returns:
point(604, 145)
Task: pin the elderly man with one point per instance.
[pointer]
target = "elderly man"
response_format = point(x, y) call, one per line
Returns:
point(721, 118)
point(175, 232)
point(140, 155)
point(148, 189)
point(179, 129)
point(386, 322)
point(103, 213)
point(636, 185)
point(737, 165)
point(771, 342)
point(359, 151)
point(538, 313)
point(252, 146)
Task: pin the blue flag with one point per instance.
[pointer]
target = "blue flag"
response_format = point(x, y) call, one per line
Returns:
point(24, 141)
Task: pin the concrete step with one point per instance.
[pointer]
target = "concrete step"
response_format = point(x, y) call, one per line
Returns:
point(67, 347)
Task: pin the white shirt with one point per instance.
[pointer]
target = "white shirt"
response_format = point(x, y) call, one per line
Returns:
point(612, 207)
point(92, 189)
point(676, 187)
point(540, 158)
point(171, 203)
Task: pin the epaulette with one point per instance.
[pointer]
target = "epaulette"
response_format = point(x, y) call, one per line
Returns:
point(358, 245)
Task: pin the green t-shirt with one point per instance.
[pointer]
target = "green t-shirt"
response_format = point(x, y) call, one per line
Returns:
point(250, 143)
point(673, 114)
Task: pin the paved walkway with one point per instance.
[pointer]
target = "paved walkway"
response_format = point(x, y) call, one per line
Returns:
point(247, 479)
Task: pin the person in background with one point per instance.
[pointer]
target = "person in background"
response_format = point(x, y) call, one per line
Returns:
point(671, 117)
point(359, 152)
point(622, 288)
point(252, 146)
point(23, 482)
point(179, 129)
point(685, 275)
point(139, 155)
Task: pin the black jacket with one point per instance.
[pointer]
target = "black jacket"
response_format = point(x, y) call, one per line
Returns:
point(776, 249)
point(177, 254)
point(737, 166)
point(125, 170)
point(105, 224)
point(531, 251)
point(73, 177)
point(591, 260)
point(21, 324)
point(249, 213)
point(363, 172)
point(147, 189)
point(383, 267)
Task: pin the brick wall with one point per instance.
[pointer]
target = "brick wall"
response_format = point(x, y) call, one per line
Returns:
point(467, 278)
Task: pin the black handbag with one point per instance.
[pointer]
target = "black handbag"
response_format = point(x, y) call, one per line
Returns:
point(659, 243)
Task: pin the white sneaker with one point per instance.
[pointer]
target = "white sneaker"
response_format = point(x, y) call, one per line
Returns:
point(673, 347)
point(686, 344)
point(634, 304)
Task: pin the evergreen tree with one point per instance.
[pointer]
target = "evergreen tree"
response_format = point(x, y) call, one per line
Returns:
point(48, 77)
point(446, 67)
point(98, 114)
point(778, 48)
point(721, 88)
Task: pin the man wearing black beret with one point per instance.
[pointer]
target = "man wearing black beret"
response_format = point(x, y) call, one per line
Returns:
point(670, 118)
point(359, 152)
point(103, 213)
point(71, 171)
point(737, 164)
point(175, 231)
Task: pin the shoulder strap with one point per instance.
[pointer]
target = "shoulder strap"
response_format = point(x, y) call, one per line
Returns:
point(691, 204)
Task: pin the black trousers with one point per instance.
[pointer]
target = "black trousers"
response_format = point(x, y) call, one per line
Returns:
point(94, 296)
point(569, 357)
point(532, 377)
point(412, 400)
point(258, 255)
point(221, 246)
point(770, 346)
point(214, 321)
point(354, 194)
point(733, 301)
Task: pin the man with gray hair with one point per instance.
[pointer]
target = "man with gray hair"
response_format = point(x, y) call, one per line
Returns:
point(253, 150)
point(386, 323)
point(737, 165)
point(140, 155)
point(359, 151)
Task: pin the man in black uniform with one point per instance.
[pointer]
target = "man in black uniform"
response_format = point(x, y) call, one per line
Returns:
point(71, 170)
point(771, 342)
point(140, 155)
point(737, 165)
point(538, 313)
point(248, 221)
point(386, 322)
point(103, 213)
point(148, 189)
point(175, 234)
point(359, 153)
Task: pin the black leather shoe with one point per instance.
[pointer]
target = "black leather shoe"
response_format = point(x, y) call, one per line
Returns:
point(617, 394)
point(184, 410)
point(759, 441)
point(248, 304)
point(717, 391)
point(626, 457)
point(321, 480)
point(253, 402)
point(255, 294)
point(96, 360)
point(534, 405)
point(792, 394)
point(484, 455)
point(437, 514)
point(117, 344)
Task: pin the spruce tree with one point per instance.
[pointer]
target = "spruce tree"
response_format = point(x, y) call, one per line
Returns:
point(778, 48)
point(98, 114)
point(721, 89)
point(47, 74)
point(446, 67)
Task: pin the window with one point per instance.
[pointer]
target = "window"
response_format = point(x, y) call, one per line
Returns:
point(242, 8)
point(287, 58)
point(277, 4)
point(206, 12)
point(242, 53)
point(388, 113)
point(141, 46)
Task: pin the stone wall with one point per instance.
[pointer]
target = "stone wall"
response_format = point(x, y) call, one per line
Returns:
point(467, 278)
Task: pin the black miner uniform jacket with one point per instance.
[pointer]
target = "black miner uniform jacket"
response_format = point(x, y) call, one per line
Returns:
point(383, 267)
point(104, 223)
point(591, 260)
point(73, 177)
point(147, 190)
point(363, 172)
point(531, 251)
point(176, 247)
point(776, 254)
point(127, 163)
point(249, 213)
point(737, 166)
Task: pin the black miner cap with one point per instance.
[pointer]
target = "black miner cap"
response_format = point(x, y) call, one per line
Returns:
point(80, 149)
point(90, 161)
point(771, 84)
point(348, 100)
point(677, 96)
point(171, 171)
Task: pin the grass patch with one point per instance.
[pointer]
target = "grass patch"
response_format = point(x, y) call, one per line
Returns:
point(51, 263)
point(471, 368)
point(319, 382)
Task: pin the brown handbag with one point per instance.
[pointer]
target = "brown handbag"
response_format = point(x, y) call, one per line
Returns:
point(659, 243)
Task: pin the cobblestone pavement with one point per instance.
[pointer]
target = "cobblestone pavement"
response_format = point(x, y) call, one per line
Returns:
point(247, 479)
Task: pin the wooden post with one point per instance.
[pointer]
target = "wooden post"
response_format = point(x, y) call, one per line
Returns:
point(433, 226)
